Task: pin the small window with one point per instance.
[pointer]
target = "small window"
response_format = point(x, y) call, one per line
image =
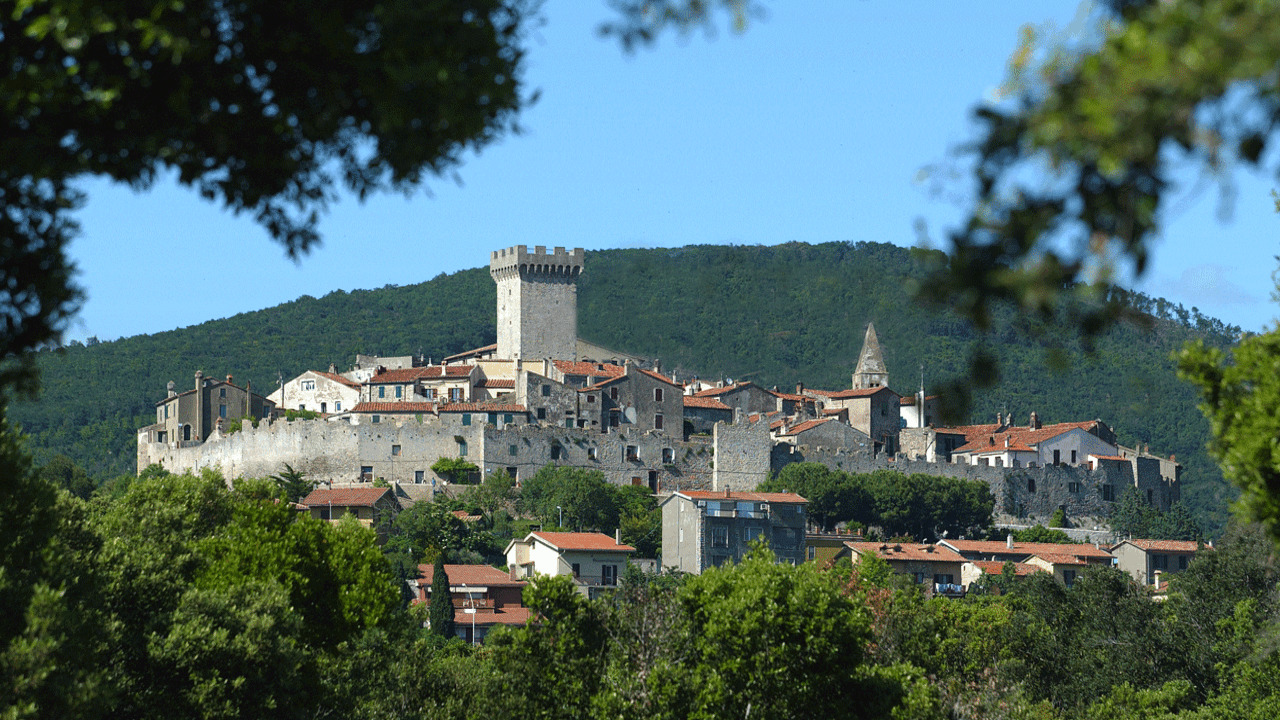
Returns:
point(1109, 493)
point(542, 413)
point(1031, 485)
point(308, 384)
point(811, 552)
point(377, 418)
point(507, 419)
point(555, 451)
point(493, 418)
point(577, 569)
point(399, 391)
point(657, 394)
point(546, 390)
point(455, 394)
point(462, 448)
point(512, 449)
point(222, 392)
point(632, 453)
point(302, 406)
point(613, 393)
point(668, 456)
point(395, 451)
point(429, 393)
point(657, 422)
point(1160, 562)
point(1150, 497)
point(614, 419)
point(1182, 562)
point(337, 406)
point(1057, 457)
point(636, 481)
point(1069, 577)
point(382, 391)
point(222, 411)
point(466, 418)
point(166, 412)
point(592, 453)
point(591, 399)
point(324, 407)
point(366, 472)
point(1073, 457)
point(568, 422)
point(1073, 487)
point(419, 476)
point(720, 537)
point(160, 436)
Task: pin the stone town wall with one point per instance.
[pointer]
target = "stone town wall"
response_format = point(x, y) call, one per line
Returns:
point(741, 455)
point(626, 456)
point(1020, 493)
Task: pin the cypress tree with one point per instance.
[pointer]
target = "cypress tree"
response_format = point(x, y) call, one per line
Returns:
point(440, 612)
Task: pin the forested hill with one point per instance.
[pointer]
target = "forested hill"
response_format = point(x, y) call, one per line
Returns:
point(775, 315)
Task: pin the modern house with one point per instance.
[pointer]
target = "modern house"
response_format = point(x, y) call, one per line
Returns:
point(483, 598)
point(367, 504)
point(707, 529)
point(938, 568)
point(594, 560)
point(1150, 562)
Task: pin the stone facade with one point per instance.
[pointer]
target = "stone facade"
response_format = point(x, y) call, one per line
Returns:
point(190, 417)
point(537, 302)
point(707, 529)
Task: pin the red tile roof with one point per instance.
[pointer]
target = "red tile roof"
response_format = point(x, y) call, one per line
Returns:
point(337, 378)
point(915, 552)
point(742, 495)
point(590, 369)
point(708, 403)
point(1182, 546)
point(476, 351)
point(394, 407)
point(1057, 559)
point(1119, 458)
point(345, 497)
point(808, 425)
point(1000, 547)
point(791, 396)
point(992, 567)
point(581, 541)
point(480, 575)
point(407, 375)
point(464, 516)
point(660, 377)
point(834, 411)
point(982, 438)
point(482, 407)
point(497, 383)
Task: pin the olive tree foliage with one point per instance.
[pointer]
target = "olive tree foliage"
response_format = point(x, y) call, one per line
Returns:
point(263, 106)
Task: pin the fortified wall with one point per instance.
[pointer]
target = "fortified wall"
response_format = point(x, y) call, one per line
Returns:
point(401, 451)
point(1032, 493)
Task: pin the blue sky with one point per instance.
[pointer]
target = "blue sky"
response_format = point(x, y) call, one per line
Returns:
point(825, 121)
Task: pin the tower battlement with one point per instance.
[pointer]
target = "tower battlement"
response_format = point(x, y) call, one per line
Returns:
point(517, 261)
point(537, 301)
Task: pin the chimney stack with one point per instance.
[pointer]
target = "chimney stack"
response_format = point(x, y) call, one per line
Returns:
point(228, 378)
point(333, 369)
point(1008, 541)
point(1035, 420)
point(799, 388)
point(617, 536)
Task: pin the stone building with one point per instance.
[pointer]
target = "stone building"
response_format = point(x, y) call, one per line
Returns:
point(193, 415)
point(707, 529)
point(537, 302)
point(323, 392)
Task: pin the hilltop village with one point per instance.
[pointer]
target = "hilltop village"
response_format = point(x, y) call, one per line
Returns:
point(541, 395)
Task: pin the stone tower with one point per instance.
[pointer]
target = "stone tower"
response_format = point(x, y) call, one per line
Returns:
point(537, 302)
point(871, 371)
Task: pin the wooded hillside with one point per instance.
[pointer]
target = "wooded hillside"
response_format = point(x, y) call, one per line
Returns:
point(774, 315)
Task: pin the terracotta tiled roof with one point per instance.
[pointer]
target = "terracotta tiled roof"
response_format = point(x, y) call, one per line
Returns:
point(791, 396)
point(482, 407)
point(744, 496)
point(834, 411)
point(337, 378)
point(999, 547)
point(407, 375)
point(915, 552)
point(1119, 458)
point(981, 438)
point(660, 377)
point(345, 497)
point(1182, 546)
point(1056, 559)
point(808, 425)
point(590, 369)
point(911, 399)
point(755, 417)
point(991, 567)
point(777, 424)
point(581, 541)
point(469, 353)
point(510, 615)
point(498, 384)
point(709, 403)
point(469, 575)
point(464, 516)
point(394, 407)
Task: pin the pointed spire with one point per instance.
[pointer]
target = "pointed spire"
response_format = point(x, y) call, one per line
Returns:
point(871, 371)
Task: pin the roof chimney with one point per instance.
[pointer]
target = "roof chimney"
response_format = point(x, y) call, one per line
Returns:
point(799, 388)
point(999, 420)
point(1008, 541)
point(170, 389)
point(726, 492)
point(228, 378)
point(617, 536)
point(1035, 420)
point(333, 369)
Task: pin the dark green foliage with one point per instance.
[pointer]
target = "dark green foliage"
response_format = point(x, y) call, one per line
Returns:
point(1041, 534)
point(1133, 517)
point(455, 470)
point(716, 311)
point(1059, 519)
point(62, 472)
point(293, 483)
point(441, 608)
point(918, 506)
